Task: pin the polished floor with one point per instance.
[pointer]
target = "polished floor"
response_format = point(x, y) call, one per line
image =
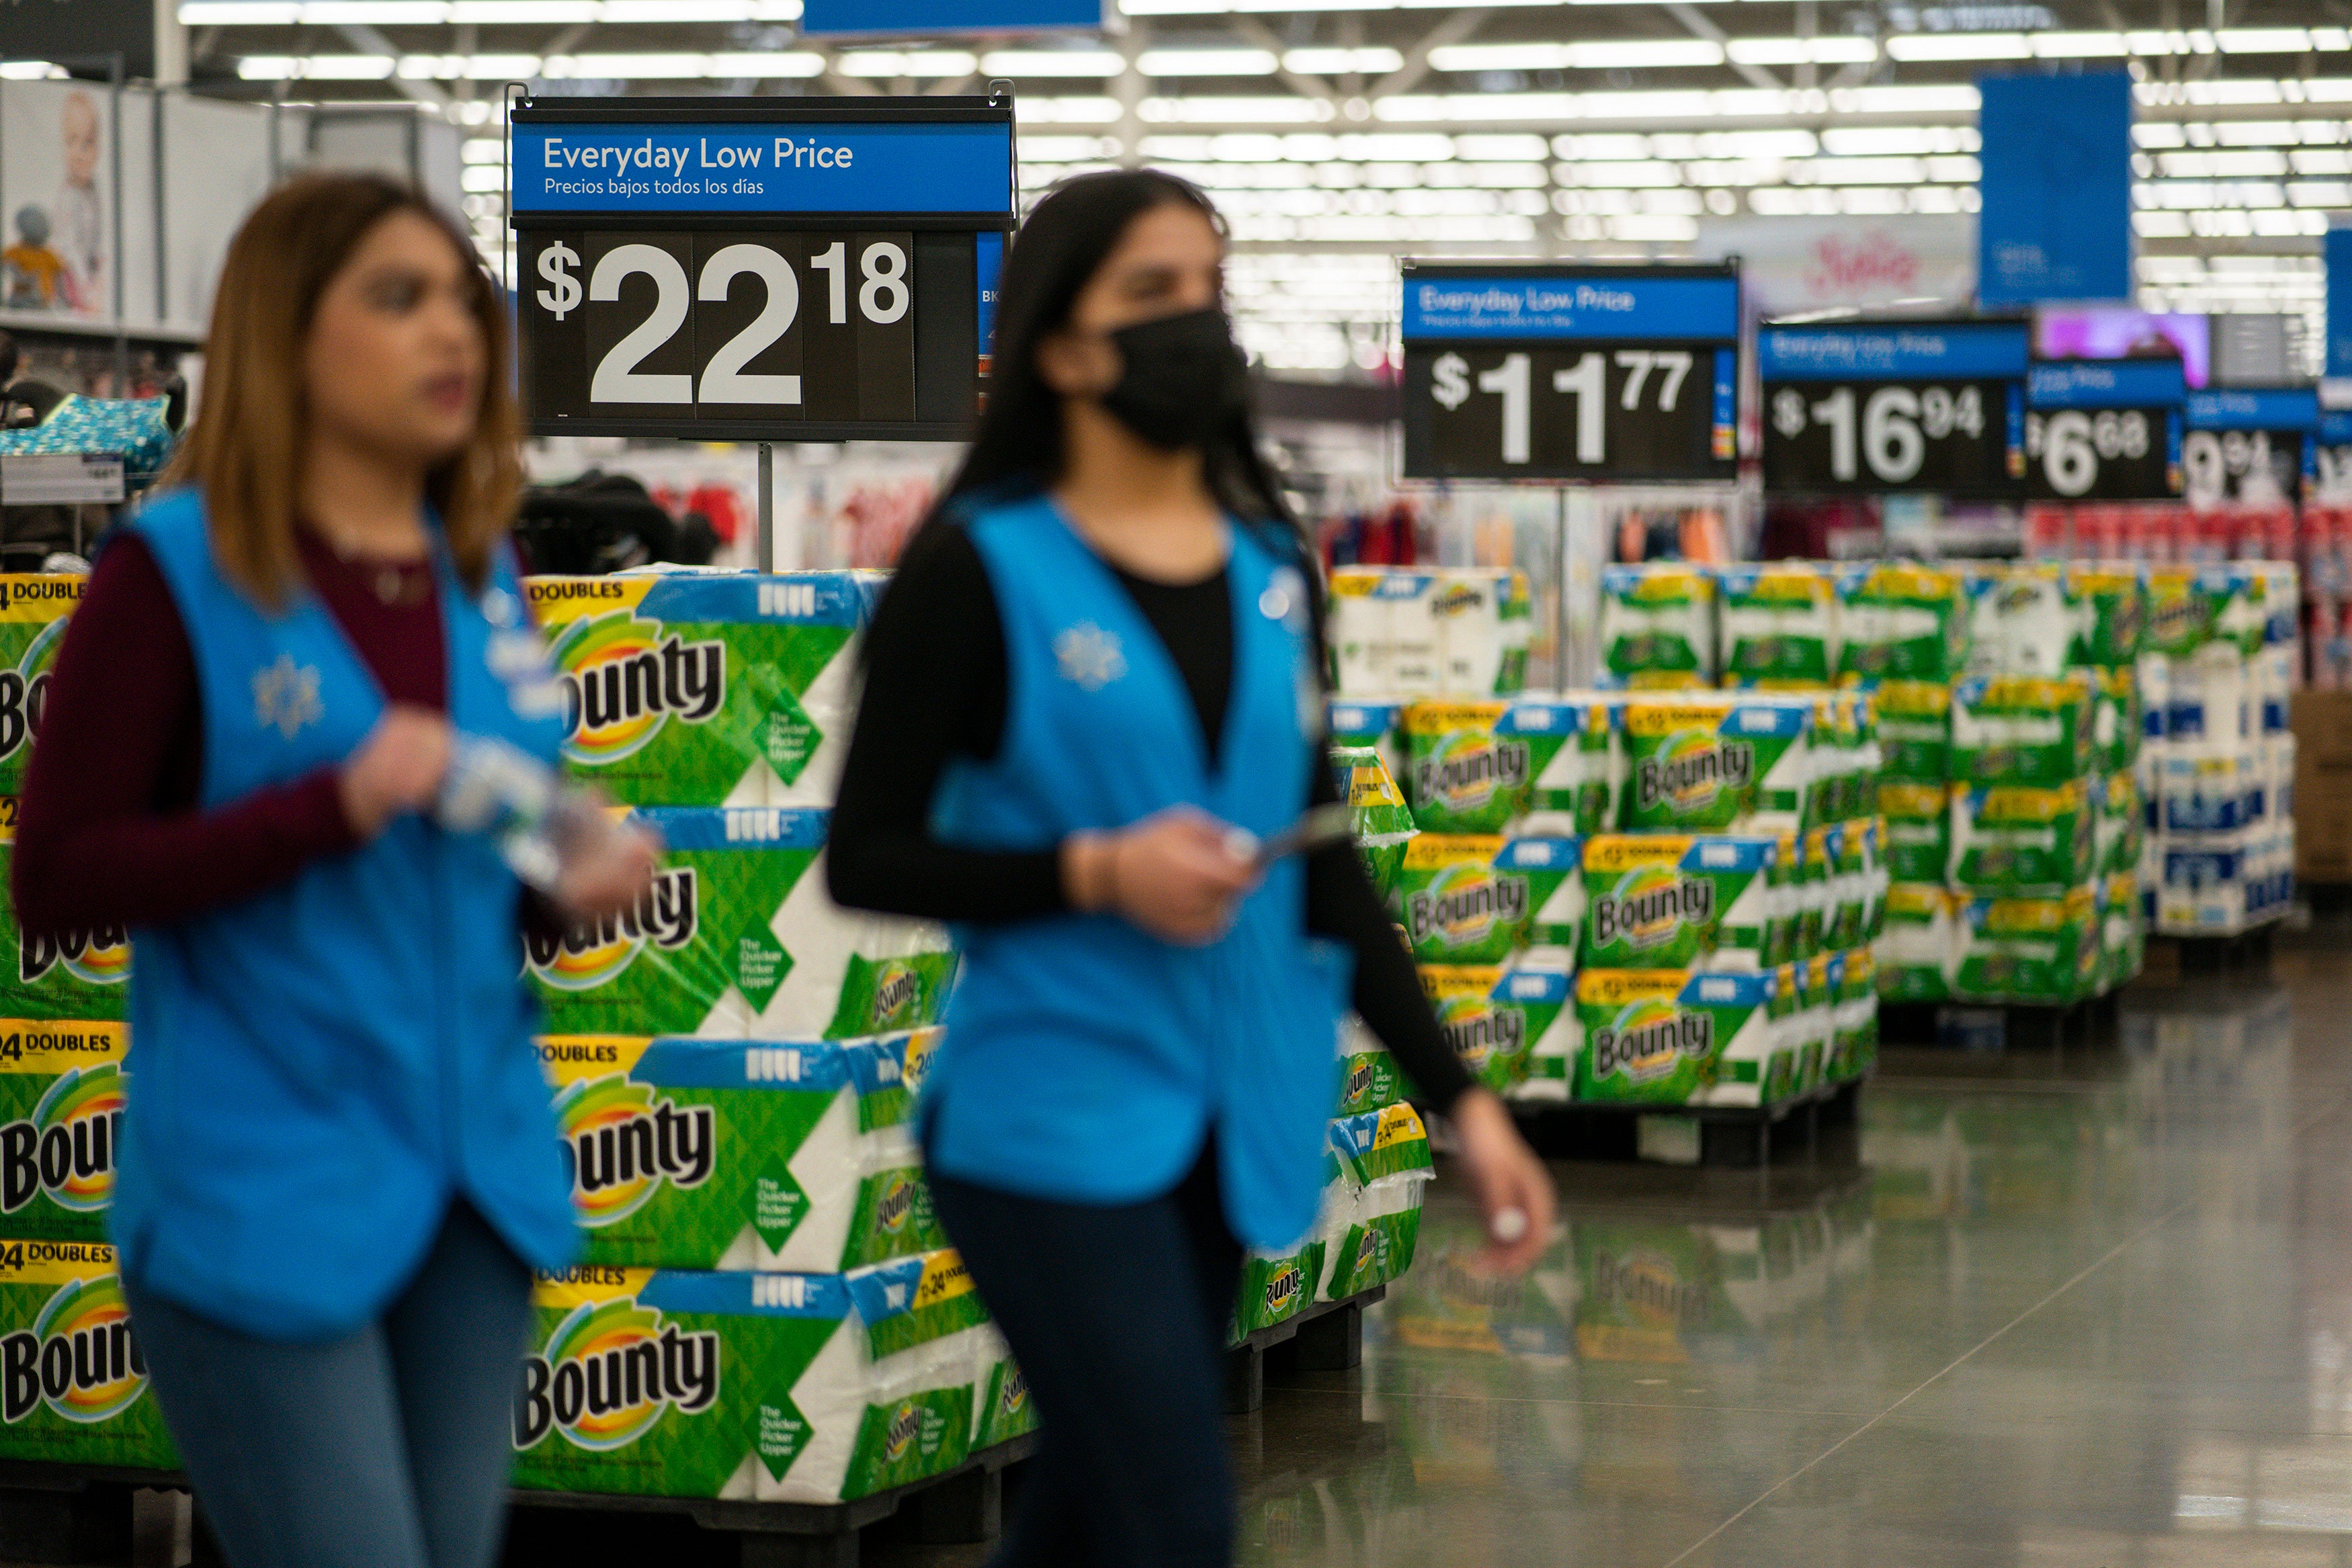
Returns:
point(2078, 1310)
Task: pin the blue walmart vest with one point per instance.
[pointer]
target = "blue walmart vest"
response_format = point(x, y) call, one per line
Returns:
point(320, 1070)
point(1085, 1061)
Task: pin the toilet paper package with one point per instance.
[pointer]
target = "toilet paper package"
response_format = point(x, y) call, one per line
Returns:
point(1918, 951)
point(1854, 1047)
point(1001, 1409)
point(721, 690)
point(2022, 729)
point(1902, 622)
point(61, 1097)
point(783, 1155)
point(2028, 619)
point(34, 607)
point(1409, 632)
point(2115, 718)
point(1915, 730)
point(1383, 825)
point(2123, 934)
point(2042, 950)
point(1674, 1037)
point(1355, 722)
point(1477, 898)
point(766, 1387)
point(737, 939)
point(1657, 626)
point(56, 975)
point(1918, 841)
point(1778, 622)
point(2205, 791)
point(2114, 613)
point(2209, 884)
point(1678, 900)
point(1472, 766)
point(2010, 837)
point(73, 1384)
point(1701, 761)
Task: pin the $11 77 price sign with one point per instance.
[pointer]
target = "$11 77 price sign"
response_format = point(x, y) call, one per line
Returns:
point(1570, 409)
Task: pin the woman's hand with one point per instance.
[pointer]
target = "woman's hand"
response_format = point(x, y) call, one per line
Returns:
point(1175, 876)
point(1506, 1179)
point(609, 872)
point(398, 767)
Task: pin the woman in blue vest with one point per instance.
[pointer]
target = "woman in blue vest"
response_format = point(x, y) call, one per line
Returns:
point(1094, 683)
point(338, 1167)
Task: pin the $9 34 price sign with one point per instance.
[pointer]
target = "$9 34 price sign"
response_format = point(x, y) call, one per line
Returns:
point(650, 326)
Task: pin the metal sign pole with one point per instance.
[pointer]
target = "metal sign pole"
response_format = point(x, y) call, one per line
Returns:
point(767, 544)
point(1559, 591)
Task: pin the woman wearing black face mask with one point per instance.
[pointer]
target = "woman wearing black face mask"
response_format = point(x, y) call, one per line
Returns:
point(1100, 659)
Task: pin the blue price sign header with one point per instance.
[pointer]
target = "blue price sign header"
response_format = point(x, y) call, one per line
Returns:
point(1991, 350)
point(2107, 383)
point(1571, 305)
point(2254, 408)
point(773, 166)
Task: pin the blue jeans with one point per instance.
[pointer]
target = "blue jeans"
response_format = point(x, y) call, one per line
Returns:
point(388, 1449)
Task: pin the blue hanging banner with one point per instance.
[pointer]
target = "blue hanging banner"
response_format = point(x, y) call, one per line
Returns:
point(2338, 370)
point(934, 18)
point(2056, 221)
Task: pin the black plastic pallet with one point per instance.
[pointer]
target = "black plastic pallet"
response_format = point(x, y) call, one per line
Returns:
point(1997, 1026)
point(1741, 1137)
point(2243, 952)
point(1326, 1336)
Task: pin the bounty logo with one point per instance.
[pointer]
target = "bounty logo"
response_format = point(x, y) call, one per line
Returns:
point(1461, 905)
point(623, 680)
point(78, 1357)
point(65, 1148)
point(1463, 773)
point(96, 958)
point(1648, 907)
point(25, 690)
point(1476, 1030)
point(1691, 769)
point(1284, 1286)
point(621, 1144)
point(1647, 1039)
point(611, 1369)
point(595, 952)
point(896, 1203)
point(906, 1425)
point(1015, 1397)
point(897, 992)
point(2174, 620)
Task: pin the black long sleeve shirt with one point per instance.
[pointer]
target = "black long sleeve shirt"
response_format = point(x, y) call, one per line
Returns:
point(935, 689)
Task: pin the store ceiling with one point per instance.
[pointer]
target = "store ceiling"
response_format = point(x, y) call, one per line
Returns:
point(1337, 136)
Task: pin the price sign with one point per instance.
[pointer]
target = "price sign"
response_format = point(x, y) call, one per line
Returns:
point(2103, 430)
point(757, 268)
point(1597, 374)
point(2331, 466)
point(2254, 445)
point(1887, 407)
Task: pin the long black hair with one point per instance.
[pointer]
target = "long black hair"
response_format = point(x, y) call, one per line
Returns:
point(1017, 449)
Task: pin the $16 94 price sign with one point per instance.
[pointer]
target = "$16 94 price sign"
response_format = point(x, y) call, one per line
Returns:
point(1596, 411)
point(694, 326)
point(1887, 435)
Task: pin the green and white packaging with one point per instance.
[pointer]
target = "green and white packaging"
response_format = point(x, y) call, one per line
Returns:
point(1671, 1037)
point(1657, 626)
point(1369, 1078)
point(1778, 625)
point(1914, 731)
point(34, 607)
point(2035, 950)
point(1478, 766)
point(1918, 951)
point(1703, 761)
point(1816, 905)
point(2123, 929)
point(1383, 823)
point(61, 1097)
point(1379, 724)
point(1918, 830)
point(2029, 618)
point(778, 1155)
point(1576, 783)
point(1812, 1022)
point(767, 1387)
point(1384, 1167)
point(73, 1385)
point(1001, 1409)
point(1516, 1016)
point(2120, 823)
point(1854, 1048)
point(2014, 837)
point(2115, 717)
point(77, 976)
point(1485, 618)
point(737, 939)
point(2114, 613)
point(2022, 729)
point(1478, 898)
point(1853, 849)
point(1897, 621)
point(1678, 900)
point(717, 690)
point(1398, 631)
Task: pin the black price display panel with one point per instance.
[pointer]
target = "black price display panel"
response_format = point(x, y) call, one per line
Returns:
point(1894, 407)
point(1597, 374)
point(748, 269)
point(2255, 447)
point(2103, 430)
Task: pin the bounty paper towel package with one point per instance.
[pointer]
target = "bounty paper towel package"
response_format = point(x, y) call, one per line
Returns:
point(34, 607)
point(1918, 951)
point(2013, 836)
point(1657, 626)
point(1901, 622)
point(1484, 617)
point(1918, 843)
point(1854, 1048)
point(1384, 1165)
point(2114, 613)
point(1412, 631)
point(1001, 1409)
point(2028, 620)
point(1369, 1078)
point(2022, 729)
point(1379, 724)
point(721, 690)
point(2121, 825)
point(1383, 825)
point(1697, 761)
point(770, 1388)
point(73, 1386)
point(1516, 1016)
point(774, 1155)
point(1576, 781)
point(1677, 901)
point(1778, 625)
point(61, 1095)
point(1275, 1285)
point(1915, 730)
point(1471, 767)
point(2123, 934)
point(1474, 899)
point(2041, 950)
point(1666, 1036)
point(738, 940)
point(75, 975)
point(2115, 717)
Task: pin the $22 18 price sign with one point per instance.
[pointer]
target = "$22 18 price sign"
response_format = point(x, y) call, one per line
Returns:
point(1575, 410)
point(650, 326)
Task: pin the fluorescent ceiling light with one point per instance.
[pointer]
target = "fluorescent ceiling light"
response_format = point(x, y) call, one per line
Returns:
point(340, 68)
point(2262, 40)
point(627, 67)
point(1499, 57)
point(1207, 63)
point(2078, 45)
point(1338, 62)
point(515, 13)
point(260, 68)
point(1649, 53)
point(1958, 47)
point(28, 70)
point(767, 63)
point(891, 63)
point(1838, 50)
point(1052, 63)
point(469, 67)
point(555, 11)
point(375, 13)
point(239, 14)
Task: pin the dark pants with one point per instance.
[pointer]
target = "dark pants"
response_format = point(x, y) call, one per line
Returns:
point(388, 1449)
point(1118, 1317)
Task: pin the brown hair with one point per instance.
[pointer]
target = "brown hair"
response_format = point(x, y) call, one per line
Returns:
point(244, 451)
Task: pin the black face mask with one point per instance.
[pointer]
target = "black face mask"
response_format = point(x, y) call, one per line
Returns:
point(1184, 381)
